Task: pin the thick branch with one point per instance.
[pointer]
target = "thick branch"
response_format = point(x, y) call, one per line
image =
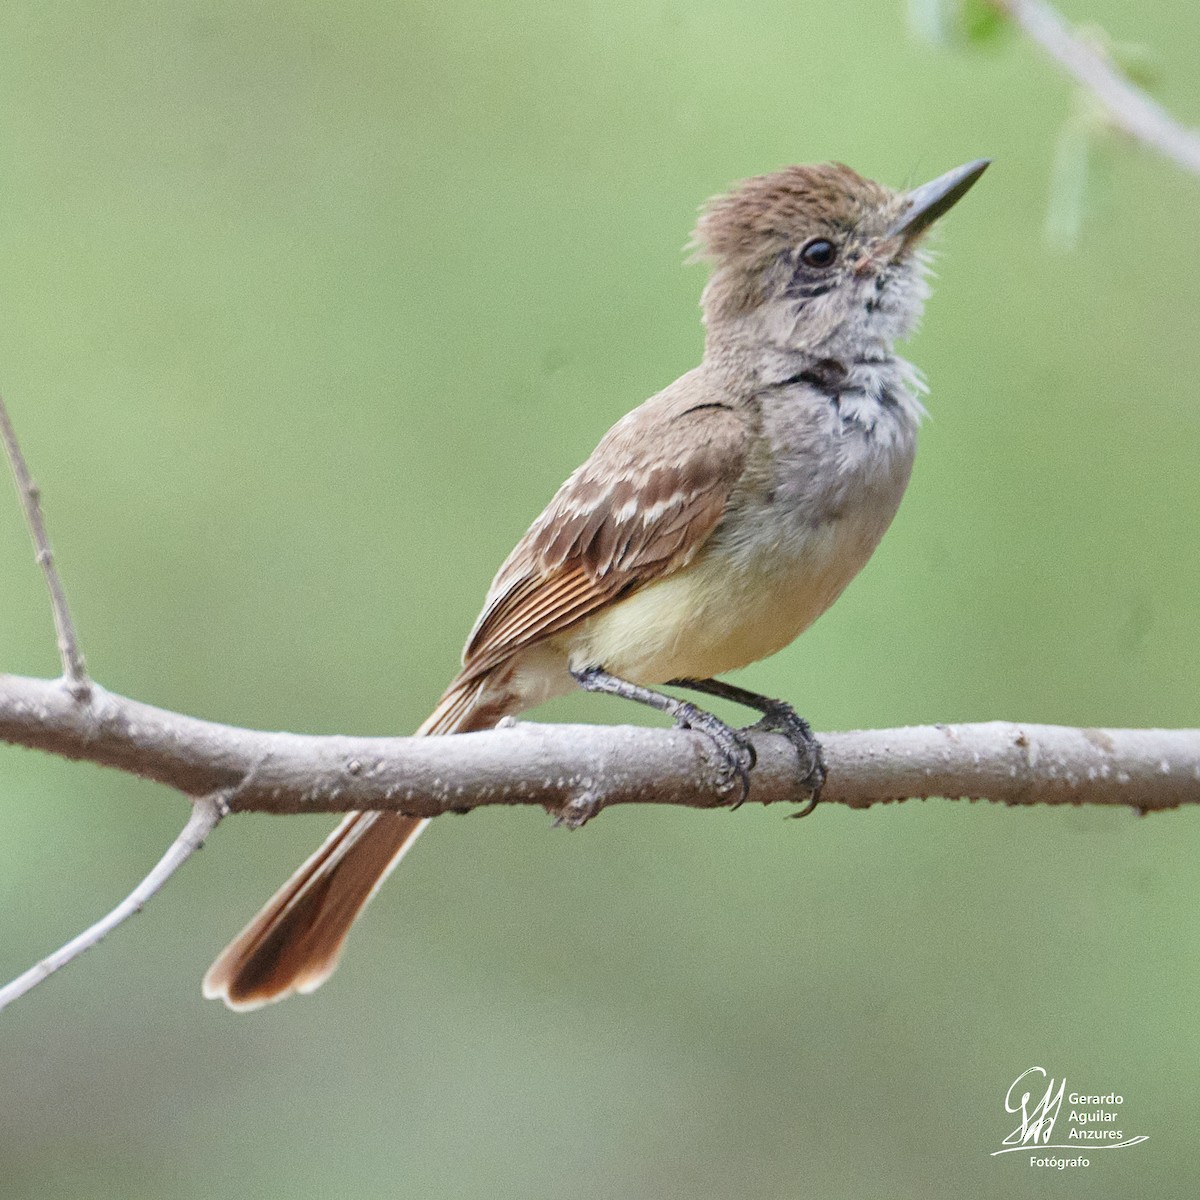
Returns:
point(1128, 107)
point(576, 770)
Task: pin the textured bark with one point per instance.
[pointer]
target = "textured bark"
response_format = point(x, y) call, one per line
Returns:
point(576, 770)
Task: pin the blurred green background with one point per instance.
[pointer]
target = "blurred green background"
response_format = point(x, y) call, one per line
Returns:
point(307, 309)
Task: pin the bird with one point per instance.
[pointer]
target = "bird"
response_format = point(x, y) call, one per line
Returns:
point(709, 528)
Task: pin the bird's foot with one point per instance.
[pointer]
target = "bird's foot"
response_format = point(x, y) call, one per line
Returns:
point(736, 751)
point(781, 717)
point(734, 748)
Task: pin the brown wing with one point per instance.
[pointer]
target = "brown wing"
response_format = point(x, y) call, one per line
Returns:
point(640, 507)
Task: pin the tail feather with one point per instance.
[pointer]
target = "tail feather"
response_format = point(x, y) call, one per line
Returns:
point(294, 943)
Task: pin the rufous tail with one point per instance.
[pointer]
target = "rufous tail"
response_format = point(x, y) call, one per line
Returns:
point(294, 943)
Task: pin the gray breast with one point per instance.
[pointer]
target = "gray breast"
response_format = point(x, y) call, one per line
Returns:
point(839, 450)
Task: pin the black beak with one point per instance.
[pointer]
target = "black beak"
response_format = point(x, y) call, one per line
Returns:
point(925, 204)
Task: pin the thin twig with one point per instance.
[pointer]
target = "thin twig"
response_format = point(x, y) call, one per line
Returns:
point(206, 813)
point(74, 670)
point(1127, 106)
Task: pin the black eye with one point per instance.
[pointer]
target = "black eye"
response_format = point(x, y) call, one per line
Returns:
point(818, 253)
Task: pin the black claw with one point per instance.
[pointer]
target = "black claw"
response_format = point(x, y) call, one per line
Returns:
point(737, 753)
point(738, 758)
point(778, 717)
point(813, 801)
point(781, 717)
point(735, 768)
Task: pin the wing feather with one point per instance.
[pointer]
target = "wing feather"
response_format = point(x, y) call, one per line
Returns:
point(640, 507)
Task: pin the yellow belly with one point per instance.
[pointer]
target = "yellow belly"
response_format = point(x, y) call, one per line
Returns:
point(721, 612)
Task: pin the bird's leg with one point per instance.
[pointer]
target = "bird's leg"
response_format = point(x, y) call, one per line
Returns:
point(778, 717)
point(737, 753)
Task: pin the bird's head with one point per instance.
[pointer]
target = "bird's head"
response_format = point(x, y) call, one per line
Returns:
point(818, 259)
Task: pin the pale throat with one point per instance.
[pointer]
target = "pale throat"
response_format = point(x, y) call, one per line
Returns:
point(845, 336)
point(858, 374)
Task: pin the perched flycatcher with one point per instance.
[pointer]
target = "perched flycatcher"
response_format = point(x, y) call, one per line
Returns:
point(709, 527)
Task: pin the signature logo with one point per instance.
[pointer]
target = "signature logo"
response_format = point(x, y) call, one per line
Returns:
point(1091, 1123)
